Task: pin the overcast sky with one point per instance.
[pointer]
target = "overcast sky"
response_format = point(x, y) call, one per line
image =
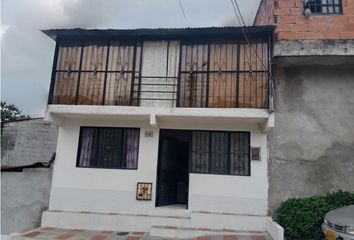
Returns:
point(27, 54)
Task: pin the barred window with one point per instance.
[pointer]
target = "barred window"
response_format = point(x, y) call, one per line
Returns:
point(325, 6)
point(96, 73)
point(115, 148)
point(224, 74)
point(221, 153)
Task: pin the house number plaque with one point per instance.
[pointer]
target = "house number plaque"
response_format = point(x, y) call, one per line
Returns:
point(256, 153)
point(144, 191)
point(149, 134)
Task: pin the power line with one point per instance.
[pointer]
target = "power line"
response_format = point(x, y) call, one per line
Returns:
point(243, 25)
point(184, 14)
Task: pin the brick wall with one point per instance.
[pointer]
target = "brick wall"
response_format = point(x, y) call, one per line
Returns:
point(292, 24)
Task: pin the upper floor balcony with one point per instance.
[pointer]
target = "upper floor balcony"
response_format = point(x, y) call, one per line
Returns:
point(218, 68)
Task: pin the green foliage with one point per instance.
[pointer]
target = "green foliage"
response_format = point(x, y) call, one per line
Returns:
point(10, 112)
point(301, 218)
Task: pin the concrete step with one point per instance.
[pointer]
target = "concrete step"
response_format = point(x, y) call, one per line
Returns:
point(174, 232)
point(242, 222)
point(111, 221)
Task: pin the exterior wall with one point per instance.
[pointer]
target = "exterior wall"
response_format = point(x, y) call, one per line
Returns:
point(113, 190)
point(160, 59)
point(27, 142)
point(312, 145)
point(25, 194)
point(265, 12)
point(292, 24)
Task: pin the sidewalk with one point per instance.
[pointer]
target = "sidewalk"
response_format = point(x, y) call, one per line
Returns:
point(81, 234)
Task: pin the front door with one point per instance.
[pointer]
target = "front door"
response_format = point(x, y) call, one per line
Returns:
point(167, 172)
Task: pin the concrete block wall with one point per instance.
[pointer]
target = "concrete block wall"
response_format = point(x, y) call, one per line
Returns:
point(293, 25)
point(312, 144)
point(24, 195)
point(28, 141)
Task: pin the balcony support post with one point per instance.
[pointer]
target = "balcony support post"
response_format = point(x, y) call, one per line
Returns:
point(153, 120)
point(265, 126)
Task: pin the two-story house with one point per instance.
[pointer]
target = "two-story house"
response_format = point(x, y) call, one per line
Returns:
point(161, 127)
point(311, 149)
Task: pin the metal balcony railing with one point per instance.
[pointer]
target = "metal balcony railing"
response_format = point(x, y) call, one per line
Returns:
point(248, 90)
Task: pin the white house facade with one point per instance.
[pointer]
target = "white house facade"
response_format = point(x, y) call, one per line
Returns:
point(161, 127)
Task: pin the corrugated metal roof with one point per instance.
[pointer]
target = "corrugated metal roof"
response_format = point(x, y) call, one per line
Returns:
point(159, 33)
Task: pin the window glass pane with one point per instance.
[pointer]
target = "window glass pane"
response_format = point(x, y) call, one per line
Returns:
point(324, 9)
point(94, 57)
point(193, 90)
point(120, 57)
point(110, 148)
point(330, 9)
point(337, 9)
point(115, 148)
point(219, 152)
point(336, 1)
point(65, 88)
point(253, 89)
point(223, 57)
point(222, 90)
point(131, 160)
point(118, 89)
point(239, 153)
point(194, 58)
point(200, 152)
point(91, 88)
point(86, 147)
point(69, 56)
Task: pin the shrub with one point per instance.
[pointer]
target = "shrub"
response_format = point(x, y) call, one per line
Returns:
point(301, 218)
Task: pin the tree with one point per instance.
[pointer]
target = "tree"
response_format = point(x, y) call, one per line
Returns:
point(10, 112)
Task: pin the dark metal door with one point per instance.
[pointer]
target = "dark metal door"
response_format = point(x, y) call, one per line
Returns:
point(167, 172)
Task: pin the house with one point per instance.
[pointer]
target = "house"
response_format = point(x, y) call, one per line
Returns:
point(311, 146)
point(163, 127)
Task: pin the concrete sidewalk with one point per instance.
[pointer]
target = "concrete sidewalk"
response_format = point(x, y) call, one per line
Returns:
point(81, 234)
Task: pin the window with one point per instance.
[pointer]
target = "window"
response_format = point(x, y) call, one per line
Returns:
point(325, 6)
point(224, 74)
point(96, 73)
point(115, 148)
point(221, 153)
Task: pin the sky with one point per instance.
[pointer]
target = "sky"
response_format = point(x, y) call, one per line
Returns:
point(27, 54)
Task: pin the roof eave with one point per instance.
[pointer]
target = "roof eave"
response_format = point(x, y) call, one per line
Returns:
point(159, 34)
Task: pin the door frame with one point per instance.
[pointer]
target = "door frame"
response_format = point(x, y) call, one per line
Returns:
point(159, 160)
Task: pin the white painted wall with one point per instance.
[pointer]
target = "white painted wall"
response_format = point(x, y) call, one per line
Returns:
point(160, 59)
point(113, 190)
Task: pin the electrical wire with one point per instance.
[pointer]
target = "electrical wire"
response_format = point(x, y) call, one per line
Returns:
point(182, 9)
point(243, 25)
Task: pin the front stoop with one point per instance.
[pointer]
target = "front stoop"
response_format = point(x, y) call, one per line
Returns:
point(190, 233)
point(178, 225)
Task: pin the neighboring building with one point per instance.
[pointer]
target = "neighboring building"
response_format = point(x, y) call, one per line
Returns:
point(27, 146)
point(183, 111)
point(312, 145)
